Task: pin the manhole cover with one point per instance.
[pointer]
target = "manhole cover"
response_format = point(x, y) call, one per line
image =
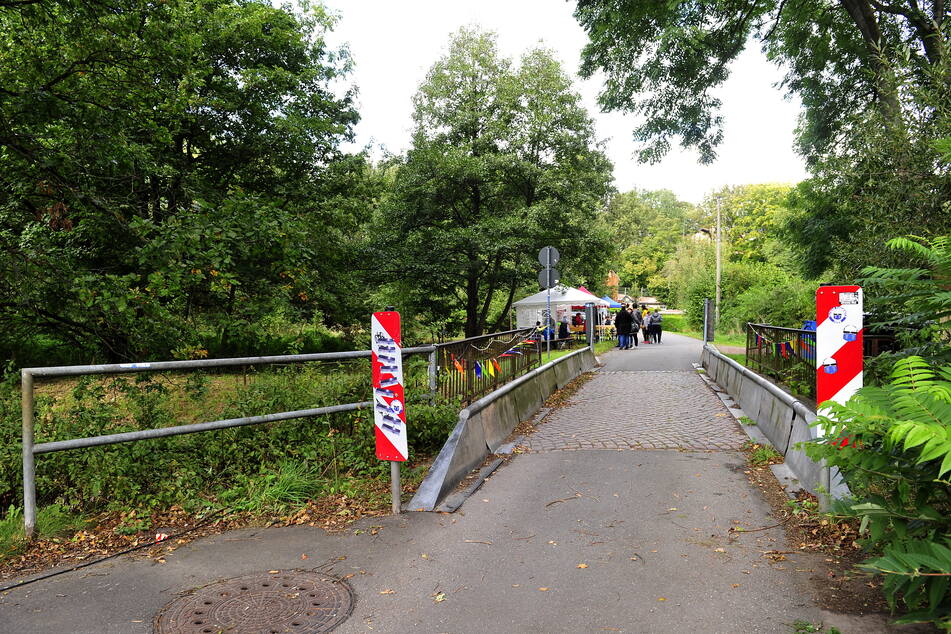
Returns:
point(282, 601)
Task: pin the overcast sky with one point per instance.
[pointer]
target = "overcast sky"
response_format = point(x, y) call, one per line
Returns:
point(393, 45)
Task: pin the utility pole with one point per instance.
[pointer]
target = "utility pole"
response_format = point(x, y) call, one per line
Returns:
point(716, 308)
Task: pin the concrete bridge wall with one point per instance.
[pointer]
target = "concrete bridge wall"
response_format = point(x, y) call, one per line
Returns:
point(783, 419)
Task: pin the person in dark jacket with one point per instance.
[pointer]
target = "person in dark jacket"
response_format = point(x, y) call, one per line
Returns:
point(563, 329)
point(658, 325)
point(623, 325)
point(636, 322)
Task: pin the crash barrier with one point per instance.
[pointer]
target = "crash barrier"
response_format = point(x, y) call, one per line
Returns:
point(485, 424)
point(782, 418)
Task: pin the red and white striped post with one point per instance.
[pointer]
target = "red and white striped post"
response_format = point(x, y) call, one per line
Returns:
point(839, 329)
point(389, 404)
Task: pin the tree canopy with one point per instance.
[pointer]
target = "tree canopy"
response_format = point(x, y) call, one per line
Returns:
point(159, 165)
point(664, 60)
point(504, 161)
point(647, 225)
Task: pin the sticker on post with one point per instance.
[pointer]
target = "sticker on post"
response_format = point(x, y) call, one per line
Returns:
point(838, 315)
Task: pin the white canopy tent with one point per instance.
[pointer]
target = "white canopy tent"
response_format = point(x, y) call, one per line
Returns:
point(532, 308)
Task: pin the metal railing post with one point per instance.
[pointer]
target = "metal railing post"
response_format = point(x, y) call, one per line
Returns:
point(29, 468)
point(433, 373)
point(589, 317)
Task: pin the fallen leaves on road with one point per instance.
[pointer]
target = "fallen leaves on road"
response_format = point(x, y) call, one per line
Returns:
point(543, 589)
point(387, 591)
point(439, 597)
point(581, 566)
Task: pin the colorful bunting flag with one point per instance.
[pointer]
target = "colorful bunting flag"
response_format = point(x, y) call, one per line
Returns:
point(498, 368)
point(478, 370)
point(489, 368)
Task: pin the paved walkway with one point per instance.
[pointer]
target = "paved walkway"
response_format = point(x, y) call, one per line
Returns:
point(640, 410)
point(585, 540)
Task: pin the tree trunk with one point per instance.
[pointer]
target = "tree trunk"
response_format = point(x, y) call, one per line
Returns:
point(472, 300)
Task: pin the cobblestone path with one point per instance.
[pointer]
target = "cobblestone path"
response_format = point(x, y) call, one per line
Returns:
point(639, 410)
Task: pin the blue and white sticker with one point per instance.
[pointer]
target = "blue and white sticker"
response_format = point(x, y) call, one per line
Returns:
point(838, 315)
point(830, 366)
point(850, 333)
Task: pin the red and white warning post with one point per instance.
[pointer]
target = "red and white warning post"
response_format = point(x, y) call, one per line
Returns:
point(839, 329)
point(389, 409)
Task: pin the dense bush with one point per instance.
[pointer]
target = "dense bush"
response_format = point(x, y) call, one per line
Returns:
point(209, 467)
point(750, 290)
point(893, 446)
point(785, 301)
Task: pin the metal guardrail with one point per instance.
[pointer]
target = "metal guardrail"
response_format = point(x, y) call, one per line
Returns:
point(31, 449)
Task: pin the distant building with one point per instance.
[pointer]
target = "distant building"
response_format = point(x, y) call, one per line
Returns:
point(642, 300)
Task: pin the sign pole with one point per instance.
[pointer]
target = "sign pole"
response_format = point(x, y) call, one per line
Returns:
point(395, 488)
point(389, 409)
point(548, 318)
point(548, 257)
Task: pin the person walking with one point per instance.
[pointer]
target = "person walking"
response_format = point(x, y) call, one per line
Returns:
point(644, 315)
point(623, 326)
point(636, 323)
point(658, 325)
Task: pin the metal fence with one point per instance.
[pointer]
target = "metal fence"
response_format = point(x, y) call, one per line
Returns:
point(789, 354)
point(786, 354)
point(486, 363)
point(469, 368)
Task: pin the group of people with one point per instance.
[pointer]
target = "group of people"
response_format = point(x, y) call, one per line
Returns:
point(630, 321)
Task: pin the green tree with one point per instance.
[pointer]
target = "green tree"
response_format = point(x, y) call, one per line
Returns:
point(647, 226)
point(885, 181)
point(504, 161)
point(752, 219)
point(663, 60)
point(159, 163)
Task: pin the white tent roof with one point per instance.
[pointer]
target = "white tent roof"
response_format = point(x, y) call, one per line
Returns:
point(560, 295)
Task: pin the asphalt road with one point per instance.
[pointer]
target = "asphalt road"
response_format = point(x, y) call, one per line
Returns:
point(675, 352)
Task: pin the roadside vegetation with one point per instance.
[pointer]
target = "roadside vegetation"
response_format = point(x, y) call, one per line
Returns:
point(261, 471)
